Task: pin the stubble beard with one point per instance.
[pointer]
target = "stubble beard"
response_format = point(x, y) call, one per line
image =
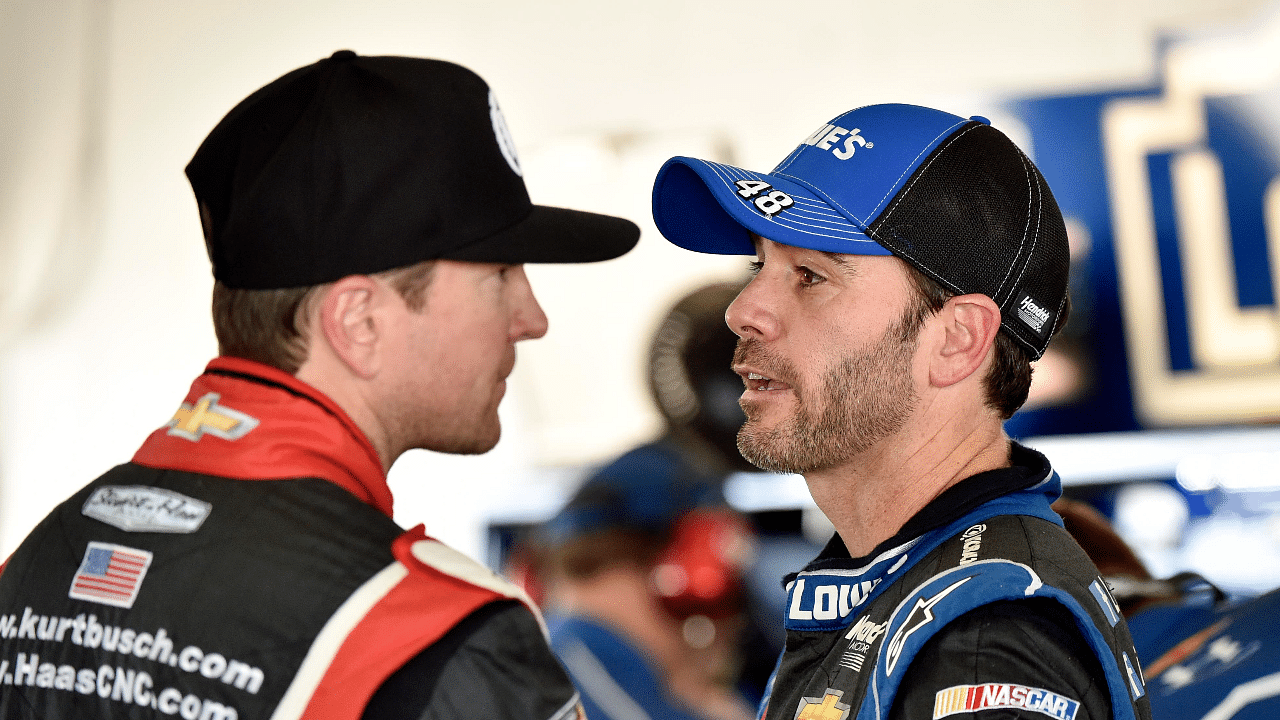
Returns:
point(862, 400)
point(469, 430)
point(477, 442)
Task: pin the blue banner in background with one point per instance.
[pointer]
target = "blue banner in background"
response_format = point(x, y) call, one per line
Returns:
point(1173, 205)
point(1066, 140)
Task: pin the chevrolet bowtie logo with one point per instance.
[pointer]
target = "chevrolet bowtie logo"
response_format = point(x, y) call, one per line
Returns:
point(207, 416)
point(829, 708)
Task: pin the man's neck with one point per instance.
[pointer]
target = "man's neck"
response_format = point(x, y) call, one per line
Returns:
point(331, 379)
point(869, 498)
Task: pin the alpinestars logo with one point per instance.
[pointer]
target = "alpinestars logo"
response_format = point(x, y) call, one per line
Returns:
point(921, 614)
point(1032, 314)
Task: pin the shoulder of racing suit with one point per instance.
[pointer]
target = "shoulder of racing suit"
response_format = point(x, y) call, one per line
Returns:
point(181, 591)
point(852, 633)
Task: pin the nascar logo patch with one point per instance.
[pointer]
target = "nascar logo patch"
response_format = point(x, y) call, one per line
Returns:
point(993, 696)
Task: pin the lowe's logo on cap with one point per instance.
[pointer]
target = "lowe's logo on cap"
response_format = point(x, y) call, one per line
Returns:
point(702, 205)
point(826, 137)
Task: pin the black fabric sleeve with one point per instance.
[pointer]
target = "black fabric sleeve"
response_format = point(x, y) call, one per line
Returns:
point(493, 664)
point(1033, 643)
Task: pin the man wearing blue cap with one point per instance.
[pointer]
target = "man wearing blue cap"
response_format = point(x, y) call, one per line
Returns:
point(911, 264)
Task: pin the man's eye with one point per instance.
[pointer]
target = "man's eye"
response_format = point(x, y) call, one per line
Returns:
point(754, 267)
point(808, 277)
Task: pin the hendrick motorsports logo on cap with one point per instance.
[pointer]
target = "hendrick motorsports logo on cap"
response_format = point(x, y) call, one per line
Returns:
point(1033, 314)
point(500, 131)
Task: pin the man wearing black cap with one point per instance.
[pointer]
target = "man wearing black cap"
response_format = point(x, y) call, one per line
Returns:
point(910, 266)
point(367, 223)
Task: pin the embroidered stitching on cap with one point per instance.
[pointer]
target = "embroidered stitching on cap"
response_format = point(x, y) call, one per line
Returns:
point(1027, 170)
point(726, 172)
point(921, 171)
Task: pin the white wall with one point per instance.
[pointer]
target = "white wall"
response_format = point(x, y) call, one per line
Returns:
point(103, 281)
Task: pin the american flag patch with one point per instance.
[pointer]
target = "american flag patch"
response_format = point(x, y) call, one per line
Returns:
point(110, 574)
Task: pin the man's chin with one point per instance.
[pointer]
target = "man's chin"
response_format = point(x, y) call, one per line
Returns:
point(780, 449)
point(476, 444)
point(484, 445)
point(760, 448)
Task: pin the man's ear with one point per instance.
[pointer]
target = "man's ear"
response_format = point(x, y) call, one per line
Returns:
point(969, 324)
point(348, 322)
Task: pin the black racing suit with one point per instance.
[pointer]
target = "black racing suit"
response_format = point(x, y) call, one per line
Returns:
point(245, 565)
point(981, 606)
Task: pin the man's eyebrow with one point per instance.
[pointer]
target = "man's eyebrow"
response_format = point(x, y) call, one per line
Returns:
point(838, 259)
point(847, 267)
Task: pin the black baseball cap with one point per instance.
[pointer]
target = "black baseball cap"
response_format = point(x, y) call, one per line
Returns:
point(954, 197)
point(356, 165)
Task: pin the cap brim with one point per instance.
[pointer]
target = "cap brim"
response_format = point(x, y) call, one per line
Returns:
point(553, 235)
point(699, 206)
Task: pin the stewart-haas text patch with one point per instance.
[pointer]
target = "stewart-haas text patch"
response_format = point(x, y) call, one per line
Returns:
point(138, 508)
point(992, 696)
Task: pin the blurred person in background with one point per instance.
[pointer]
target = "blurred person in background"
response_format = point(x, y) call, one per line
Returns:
point(910, 265)
point(642, 569)
point(367, 222)
point(644, 596)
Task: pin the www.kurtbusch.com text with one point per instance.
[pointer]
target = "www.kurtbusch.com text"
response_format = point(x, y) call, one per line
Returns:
point(113, 681)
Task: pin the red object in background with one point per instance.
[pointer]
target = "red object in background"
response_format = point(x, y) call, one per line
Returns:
point(700, 571)
point(521, 570)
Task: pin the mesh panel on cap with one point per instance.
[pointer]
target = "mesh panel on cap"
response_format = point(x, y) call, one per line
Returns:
point(978, 218)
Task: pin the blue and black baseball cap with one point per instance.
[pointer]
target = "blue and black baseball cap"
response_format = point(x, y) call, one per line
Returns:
point(953, 197)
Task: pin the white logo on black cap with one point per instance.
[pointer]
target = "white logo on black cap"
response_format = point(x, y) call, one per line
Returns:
point(1032, 314)
point(505, 143)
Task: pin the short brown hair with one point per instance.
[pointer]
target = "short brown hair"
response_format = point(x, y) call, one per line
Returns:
point(270, 326)
point(584, 557)
point(1009, 378)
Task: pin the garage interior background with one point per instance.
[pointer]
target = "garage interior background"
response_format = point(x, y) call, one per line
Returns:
point(104, 286)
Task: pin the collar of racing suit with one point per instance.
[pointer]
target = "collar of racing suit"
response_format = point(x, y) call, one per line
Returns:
point(1028, 468)
point(248, 421)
